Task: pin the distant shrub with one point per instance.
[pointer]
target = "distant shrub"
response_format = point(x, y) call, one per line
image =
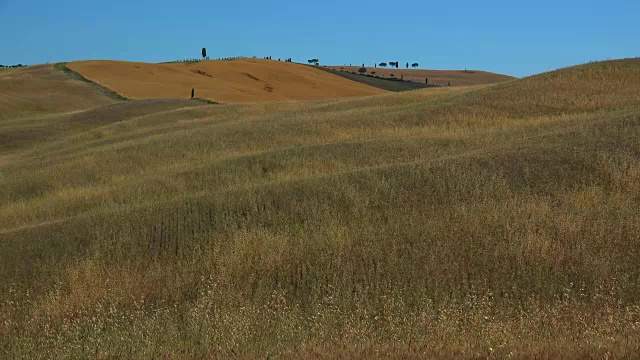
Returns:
point(206, 58)
point(362, 70)
point(383, 64)
point(415, 65)
point(373, 72)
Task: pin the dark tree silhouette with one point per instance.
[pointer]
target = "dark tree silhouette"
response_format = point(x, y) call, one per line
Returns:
point(415, 65)
point(383, 64)
point(407, 65)
point(204, 53)
point(193, 92)
point(362, 70)
point(426, 81)
point(396, 64)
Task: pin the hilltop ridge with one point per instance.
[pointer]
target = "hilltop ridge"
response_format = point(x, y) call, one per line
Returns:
point(226, 81)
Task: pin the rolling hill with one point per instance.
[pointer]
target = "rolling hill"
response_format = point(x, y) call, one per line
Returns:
point(388, 84)
point(465, 222)
point(226, 81)
point(42, 90)
point(437, 77)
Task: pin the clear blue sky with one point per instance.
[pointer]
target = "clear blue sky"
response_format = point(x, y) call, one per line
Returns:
point(513, 37)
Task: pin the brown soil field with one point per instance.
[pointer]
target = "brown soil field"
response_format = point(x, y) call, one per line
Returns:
point(226, 81)
point(438, 77)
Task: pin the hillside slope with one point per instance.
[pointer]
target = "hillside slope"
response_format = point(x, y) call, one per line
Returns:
point(236, 81)
point(438, 77)
point(467, 222)
point(41, 89)
point(388, 84)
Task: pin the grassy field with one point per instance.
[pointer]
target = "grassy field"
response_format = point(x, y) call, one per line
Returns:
point(236, 81)
point(469, 222)
point(41, 91)
point(437, 77)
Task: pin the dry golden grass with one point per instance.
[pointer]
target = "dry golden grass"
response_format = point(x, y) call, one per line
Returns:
point(437, 77)
point(42, 90)
point(472, 222)
point(236, 81)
